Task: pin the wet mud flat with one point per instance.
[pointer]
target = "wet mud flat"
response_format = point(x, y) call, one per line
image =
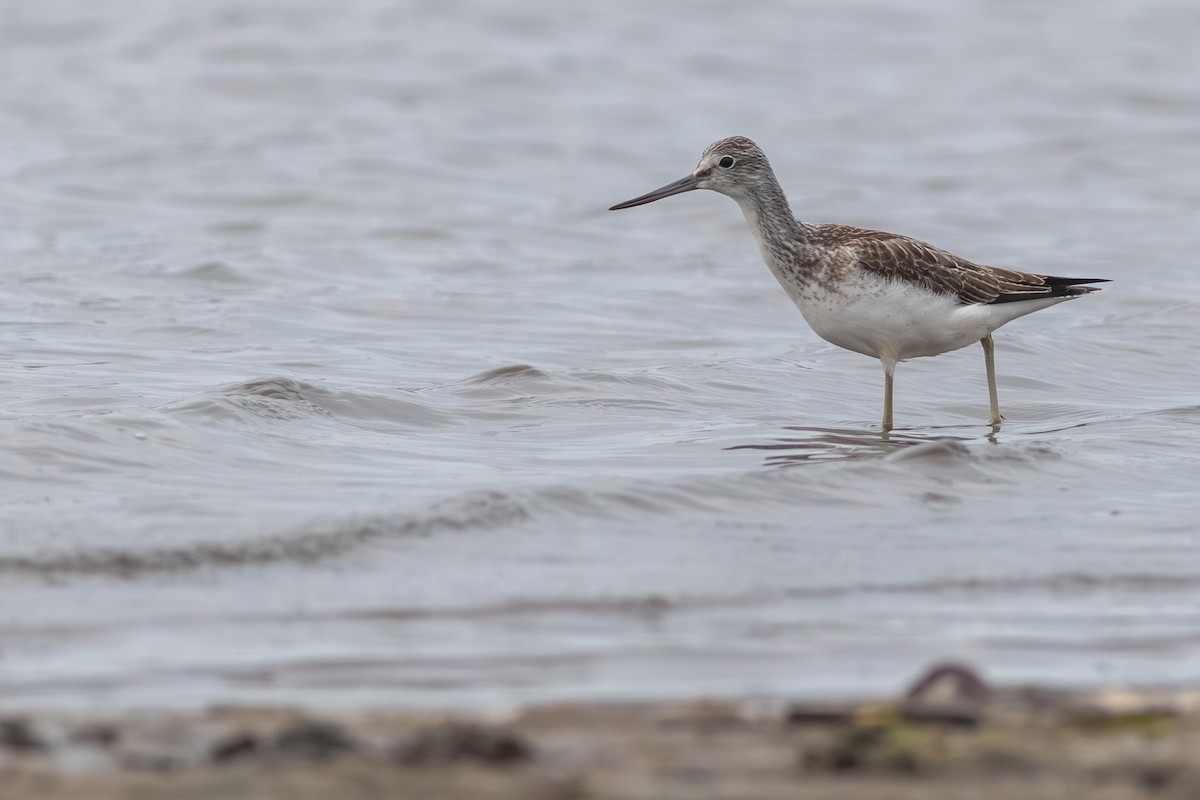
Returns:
point(951, 737)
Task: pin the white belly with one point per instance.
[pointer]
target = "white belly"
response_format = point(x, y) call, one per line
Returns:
point(892, 321)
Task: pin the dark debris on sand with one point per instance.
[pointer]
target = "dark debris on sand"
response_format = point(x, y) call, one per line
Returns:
point(950, 736)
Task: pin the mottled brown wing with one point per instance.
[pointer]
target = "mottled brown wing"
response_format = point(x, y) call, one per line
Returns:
point(902, 259)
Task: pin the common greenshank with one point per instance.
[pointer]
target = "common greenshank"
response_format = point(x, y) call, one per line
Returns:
point(880, 294)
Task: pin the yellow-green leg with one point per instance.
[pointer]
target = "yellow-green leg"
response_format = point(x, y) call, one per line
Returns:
point(888, 369)
point(989, 359)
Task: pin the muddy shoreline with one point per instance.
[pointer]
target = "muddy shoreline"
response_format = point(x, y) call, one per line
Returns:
point(950, 736)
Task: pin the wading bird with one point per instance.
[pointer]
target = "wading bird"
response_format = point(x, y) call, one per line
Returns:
point(880, 294)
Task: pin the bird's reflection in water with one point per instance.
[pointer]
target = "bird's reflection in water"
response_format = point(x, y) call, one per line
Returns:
point(840, 444)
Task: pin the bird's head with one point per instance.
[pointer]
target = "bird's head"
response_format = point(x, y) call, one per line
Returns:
point(732, 166)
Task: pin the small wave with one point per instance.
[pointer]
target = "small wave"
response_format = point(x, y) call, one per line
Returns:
point(278, 398)
point(213, 272)
point(514, 372)
point(481, 511)
point(939, 449)
point(271, 398)
point(1189, 415)
point(523, 385)
point(520, 382)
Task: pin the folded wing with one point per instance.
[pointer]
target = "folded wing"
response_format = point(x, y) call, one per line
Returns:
point(900, 258)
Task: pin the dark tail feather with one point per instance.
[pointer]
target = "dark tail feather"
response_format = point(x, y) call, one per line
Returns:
point(1059, 287)
point(1054, 281)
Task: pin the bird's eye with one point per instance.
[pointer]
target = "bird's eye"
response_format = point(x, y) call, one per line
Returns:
point(726, 162)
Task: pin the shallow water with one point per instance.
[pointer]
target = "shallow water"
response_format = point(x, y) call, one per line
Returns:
point(328, 380)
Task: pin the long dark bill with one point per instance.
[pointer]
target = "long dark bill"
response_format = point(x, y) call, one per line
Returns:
point(678, 187)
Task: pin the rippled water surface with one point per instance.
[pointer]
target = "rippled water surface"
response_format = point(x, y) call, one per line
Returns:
point(326, 378)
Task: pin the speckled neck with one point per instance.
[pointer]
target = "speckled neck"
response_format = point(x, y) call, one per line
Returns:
point(786, 243)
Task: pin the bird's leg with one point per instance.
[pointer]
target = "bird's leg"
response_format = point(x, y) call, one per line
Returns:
point(989, 359)
point(889, 367)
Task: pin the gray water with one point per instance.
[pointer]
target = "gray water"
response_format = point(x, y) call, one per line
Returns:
point(326, 379)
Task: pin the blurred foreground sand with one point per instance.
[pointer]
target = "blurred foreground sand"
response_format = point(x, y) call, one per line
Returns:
point(964, 741)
